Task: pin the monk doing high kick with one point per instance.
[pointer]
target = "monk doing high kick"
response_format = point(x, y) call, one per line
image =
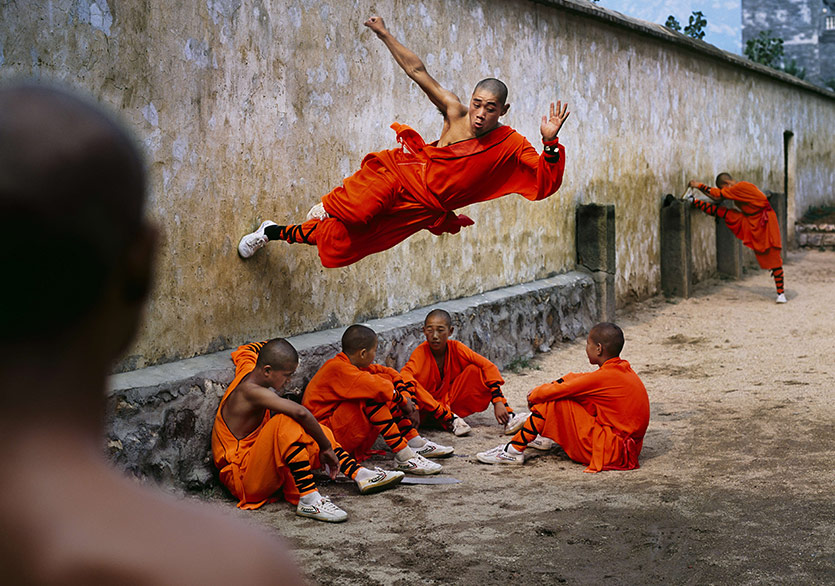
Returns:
point(399, 192)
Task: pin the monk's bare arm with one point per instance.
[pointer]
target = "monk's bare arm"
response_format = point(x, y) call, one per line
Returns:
point(711, 192)
point(261, 397)
point(447, 102)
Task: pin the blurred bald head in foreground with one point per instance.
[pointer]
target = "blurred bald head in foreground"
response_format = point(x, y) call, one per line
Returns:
point(76, 255)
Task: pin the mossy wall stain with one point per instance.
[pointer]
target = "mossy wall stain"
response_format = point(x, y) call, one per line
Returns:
point(252, 110)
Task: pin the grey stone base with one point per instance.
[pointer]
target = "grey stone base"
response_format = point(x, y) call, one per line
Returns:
point(815, 235)
point(159, 419)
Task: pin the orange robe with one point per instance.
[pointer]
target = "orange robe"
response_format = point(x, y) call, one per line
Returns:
point(464, 388)
point(398, 192)
point(336, 395)
point(599, 418)
point(756, 225)
point(252, 467)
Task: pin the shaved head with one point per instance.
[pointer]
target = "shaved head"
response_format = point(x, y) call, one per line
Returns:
point(358, 337)
point(439, 314)
point(609, 336)
point(278, 353)
point(493, 86)
point(72, 190)
point(722, 179)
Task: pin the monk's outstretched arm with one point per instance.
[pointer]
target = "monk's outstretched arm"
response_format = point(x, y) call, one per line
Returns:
point(265, 398)
point(447, 102)
point(712, 192)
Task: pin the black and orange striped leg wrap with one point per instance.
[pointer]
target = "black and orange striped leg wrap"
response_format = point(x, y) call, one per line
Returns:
point(496, 396)
point(299, 464)
point(529, 431)
point(778, 280)
point(711, 208)
point(347, 465)
point(294, 233)
point(404, 424)
point(383, 421)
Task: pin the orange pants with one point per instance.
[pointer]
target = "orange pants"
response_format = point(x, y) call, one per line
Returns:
point(263, 470)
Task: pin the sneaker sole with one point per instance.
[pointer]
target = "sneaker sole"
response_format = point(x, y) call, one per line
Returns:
point(542, 448)
point(516, 427)
point(419, 471)
point(317, 518)
point(499, 462)
point(437, 454)
point(381, 486)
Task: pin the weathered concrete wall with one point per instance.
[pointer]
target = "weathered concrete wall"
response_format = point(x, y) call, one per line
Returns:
point(159, 419)
point(254, 109)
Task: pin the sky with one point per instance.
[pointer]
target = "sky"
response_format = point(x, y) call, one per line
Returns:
point(724, 17)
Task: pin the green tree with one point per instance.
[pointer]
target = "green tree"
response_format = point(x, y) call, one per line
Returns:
point(793, 69)
point(673, 23)
point(765, 49)
point(697, 24)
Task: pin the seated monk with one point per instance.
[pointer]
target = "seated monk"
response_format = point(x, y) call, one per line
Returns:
point(361, 401)
point(755, 223)
point(259, 454)
point(599, 418)
point(398, 192)
point(452, 381)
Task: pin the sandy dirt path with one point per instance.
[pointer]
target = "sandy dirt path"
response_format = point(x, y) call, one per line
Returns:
point(737, 483)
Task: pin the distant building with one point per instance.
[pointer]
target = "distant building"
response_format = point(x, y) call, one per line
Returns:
point(807, 28)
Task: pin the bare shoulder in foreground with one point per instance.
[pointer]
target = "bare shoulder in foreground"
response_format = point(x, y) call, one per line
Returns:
point(72, 187)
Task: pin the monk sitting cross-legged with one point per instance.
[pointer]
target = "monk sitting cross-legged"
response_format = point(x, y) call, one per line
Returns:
point(452, 381)
point(755, 223)
point(599, 418)
point(398, 192)
point(259, 454)
point(360, 401)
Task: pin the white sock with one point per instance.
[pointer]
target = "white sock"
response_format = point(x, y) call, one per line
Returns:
point(417, 442)
point(404, 454)
point(311, 499)
point(363, 474)
point(511, 450)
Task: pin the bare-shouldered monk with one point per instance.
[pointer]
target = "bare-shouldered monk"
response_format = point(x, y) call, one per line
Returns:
point(76, 262)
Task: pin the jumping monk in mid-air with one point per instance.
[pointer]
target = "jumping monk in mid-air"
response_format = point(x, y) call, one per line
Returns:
point(399, 192)
point(755, 224)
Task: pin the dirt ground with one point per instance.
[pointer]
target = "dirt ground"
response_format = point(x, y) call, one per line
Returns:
point(737, 477)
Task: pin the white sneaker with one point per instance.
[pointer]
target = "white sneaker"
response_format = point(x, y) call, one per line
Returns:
point(781, 298)
point(419, 466)
point(543, 444)
point(322, 510)
point(432, 450)
point(515, 423)
point(254, 241)
point(460, 427)
point(317, 212)
point(382, 480)
point(500, 455)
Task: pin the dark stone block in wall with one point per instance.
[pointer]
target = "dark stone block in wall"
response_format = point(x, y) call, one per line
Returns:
point(676, 257)
point(729, 259)
point(779, 204)
point(595, 237)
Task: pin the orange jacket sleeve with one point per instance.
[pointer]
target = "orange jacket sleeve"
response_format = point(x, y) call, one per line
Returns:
point(545, 170)
point(468, 355)
point(571, 385)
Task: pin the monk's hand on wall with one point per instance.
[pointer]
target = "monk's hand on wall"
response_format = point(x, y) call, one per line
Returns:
point(552, 123)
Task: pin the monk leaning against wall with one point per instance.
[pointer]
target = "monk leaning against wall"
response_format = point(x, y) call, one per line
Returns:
point(398, 192)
